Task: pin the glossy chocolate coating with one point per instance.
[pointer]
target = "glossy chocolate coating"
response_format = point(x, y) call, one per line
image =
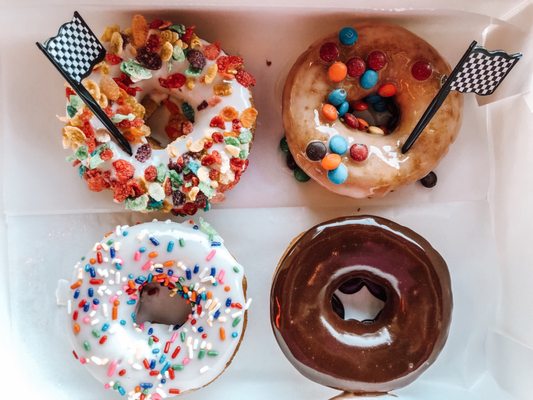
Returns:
point(396, 265)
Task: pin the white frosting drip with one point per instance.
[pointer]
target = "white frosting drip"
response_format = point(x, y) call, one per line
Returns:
point(128, 346)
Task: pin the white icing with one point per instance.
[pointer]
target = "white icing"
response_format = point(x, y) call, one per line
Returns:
point(127, 346)
point(240, 98)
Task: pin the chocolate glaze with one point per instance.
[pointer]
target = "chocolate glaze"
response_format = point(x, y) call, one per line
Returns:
point(398, 266)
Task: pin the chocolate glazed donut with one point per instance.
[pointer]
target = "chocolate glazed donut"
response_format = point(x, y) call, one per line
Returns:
point(397, 266)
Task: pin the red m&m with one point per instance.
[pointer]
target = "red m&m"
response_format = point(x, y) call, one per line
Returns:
point(421, 70)
point(351, 121)
point(356, 67)
point(329, 52)
point(359, 152)
point(376, 60)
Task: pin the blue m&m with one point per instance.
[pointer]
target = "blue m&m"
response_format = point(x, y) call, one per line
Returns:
point(343, 108)
point(337, 97)
point(369, 79)
point(373, 98)
point(348, 36)
point(379, 106)
point(338, 175)
point(338, 144)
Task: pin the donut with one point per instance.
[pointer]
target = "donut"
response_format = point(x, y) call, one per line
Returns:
point(157, 309)
point(351, 100)
point(340, 257)
point(198, 101)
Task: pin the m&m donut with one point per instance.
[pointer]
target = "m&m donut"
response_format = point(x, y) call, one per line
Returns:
point(157, 309)
point(359, 93)
point(183, 104)
point(338, 258)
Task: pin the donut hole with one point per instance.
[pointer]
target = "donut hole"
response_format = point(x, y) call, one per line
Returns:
point(166, 120)
point(381, 112)
point(157, 305)
point(360, 300)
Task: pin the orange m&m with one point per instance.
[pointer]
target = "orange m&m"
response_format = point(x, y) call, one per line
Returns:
point(337, 71)
point(387, 90)
point(363, 125)
point(331, 161)
point(329, 112)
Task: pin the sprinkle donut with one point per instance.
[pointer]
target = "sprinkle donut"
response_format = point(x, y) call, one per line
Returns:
point(340, 257)
point(351, 100)
point(157, 309)
point(198, 101)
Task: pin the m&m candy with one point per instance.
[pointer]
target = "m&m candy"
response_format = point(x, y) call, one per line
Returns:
point(343, 108)
point(368, 79)
point(316, 150)
point(300, 175)
point(329, 112)
point(379, 106)
point(348, 36)
point(430, 180)
point(351, 121)
point(387, 90)
point(373, 98)
point(338, 175)
point(330, 162)
point(338, 144)
point(363, 125)
point(359, 105)
point(421, 70)
point(337, 71)
point(337, 97)
point(329, 52)
point(359, 152)
point(356, 67)
point(376, 60)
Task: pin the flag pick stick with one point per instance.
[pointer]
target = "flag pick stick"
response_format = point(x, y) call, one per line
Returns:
point(436, 102)
point(84, 51)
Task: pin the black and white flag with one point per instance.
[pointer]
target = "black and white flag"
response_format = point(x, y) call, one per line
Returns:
point(479, 71)
point(75, 51)
point(75, 48)
point(482, 71)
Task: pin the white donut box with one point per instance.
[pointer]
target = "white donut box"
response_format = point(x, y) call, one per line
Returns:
point(479, 216)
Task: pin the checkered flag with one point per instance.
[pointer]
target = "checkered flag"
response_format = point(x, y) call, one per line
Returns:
point(478, 71)
point(483, 71)
point(74, 51)
point(75, 48)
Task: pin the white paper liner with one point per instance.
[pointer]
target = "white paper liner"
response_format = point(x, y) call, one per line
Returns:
point(52, 217)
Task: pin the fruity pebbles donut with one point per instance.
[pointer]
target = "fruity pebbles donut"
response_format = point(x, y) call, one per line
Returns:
point(157, 309)
point(196, 98)
point(351, 100)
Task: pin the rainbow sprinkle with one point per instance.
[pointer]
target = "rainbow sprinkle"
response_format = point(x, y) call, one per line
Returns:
point(106, 299)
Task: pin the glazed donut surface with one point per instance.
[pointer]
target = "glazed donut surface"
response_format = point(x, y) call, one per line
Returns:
point(375, 166)
point(397, 266)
